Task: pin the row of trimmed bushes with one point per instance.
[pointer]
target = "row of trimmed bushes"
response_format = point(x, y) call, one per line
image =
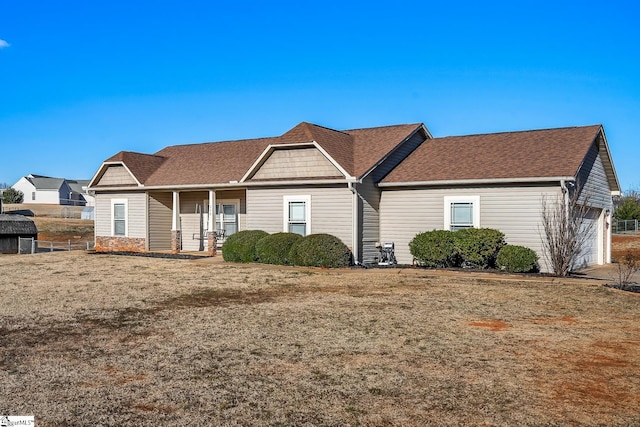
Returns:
point(471, 247)
point(314, 250)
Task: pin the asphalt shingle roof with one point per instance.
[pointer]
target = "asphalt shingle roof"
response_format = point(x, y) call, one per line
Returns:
point(221, 162)
point(507, 155)
point(17, 224)
point(141, 165)
point(209, 163)
point(525, 154)
point(77, 184)
point(45, 182)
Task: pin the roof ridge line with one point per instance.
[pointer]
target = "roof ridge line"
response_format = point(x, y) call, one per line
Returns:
point(188, 144)
point(139, 153)
point(516, 131)
point(385, 126)
point(327, 128)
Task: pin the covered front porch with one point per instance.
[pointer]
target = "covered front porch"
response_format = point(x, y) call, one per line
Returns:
point(194, 221)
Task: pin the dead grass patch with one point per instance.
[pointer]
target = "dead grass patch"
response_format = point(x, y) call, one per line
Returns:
point(492, 325)
point(64, 229)
point(149, 341)
point(623, 243)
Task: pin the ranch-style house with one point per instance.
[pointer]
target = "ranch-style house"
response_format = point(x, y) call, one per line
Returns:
point(381, 184)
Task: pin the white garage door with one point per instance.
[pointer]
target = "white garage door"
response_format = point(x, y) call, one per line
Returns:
point(589, 253)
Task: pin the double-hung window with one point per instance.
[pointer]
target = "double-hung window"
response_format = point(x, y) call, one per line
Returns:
point(461, 212)
point(119, 217)
point(297, 214)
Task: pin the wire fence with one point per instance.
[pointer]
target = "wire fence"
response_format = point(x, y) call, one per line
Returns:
point(28, 245)
point(73, 202)
point(624, 226)
point(54, 211)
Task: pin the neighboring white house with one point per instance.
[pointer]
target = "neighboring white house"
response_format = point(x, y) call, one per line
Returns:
point(53, 191)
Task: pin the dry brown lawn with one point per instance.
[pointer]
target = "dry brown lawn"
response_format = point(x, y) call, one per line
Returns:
point(88, 340)
point(63, 230)
point(621, 244)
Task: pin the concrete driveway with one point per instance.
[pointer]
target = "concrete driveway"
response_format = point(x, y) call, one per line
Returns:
point(608, 272)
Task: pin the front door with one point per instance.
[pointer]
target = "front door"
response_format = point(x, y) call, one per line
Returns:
point(226, 218)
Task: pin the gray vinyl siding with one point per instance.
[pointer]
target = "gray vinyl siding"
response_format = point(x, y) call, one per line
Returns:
point(116, 175)
point(369, 220)
point(593, 178)
point(194, 201)
point(136, 213)
point(516, 211)
point(65, 194)
point(160, 210)
point(369, 198)
point(296, 163)
point(331, 210)
point(102, 215)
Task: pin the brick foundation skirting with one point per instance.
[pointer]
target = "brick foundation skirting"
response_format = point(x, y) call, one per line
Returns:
point(120, 244)
point(176, 241)
point(212, 243)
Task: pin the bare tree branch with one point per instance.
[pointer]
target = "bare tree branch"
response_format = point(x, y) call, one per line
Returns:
point(566, 230)
point(628, 265)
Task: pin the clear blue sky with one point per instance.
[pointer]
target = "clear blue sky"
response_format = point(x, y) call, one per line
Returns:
point(82, 80)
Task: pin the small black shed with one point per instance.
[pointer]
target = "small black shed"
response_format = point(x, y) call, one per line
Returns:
point(11, 228)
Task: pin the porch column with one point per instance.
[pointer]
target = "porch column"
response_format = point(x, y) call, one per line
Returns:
point(211, 225)
point(176, 236)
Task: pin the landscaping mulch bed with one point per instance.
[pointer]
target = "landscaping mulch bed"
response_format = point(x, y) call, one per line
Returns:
point(629, 287)
point(152, 255)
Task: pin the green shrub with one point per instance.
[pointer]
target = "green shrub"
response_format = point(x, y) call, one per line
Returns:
point(434, 249)
point(241, 246)
point(517, 259)
point(11, 195)
point(320, 250)
point(275, 248)
point(478, 247)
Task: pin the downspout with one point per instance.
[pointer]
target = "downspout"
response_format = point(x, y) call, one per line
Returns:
point(565, 195)
point(354, 225)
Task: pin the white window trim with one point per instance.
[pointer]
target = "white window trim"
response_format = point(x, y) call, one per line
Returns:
point(125, 202)
point(448, 200)
point(285, 211)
